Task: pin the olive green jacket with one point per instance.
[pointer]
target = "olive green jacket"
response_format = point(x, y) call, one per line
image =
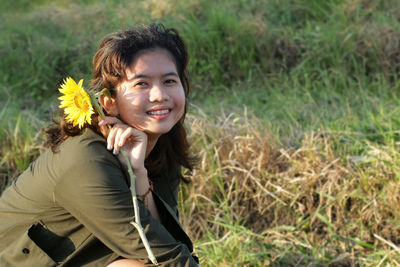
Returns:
point(73, 208)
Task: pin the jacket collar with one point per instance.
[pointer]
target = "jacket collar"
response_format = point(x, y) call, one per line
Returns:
point(172, 223)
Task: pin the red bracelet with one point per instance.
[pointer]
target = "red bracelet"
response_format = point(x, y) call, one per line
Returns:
point(143, 197)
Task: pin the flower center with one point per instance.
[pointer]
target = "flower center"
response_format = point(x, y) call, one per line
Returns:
point(79, 100)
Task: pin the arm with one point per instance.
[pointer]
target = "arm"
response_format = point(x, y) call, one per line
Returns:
point(135, 144)
point(95, 192)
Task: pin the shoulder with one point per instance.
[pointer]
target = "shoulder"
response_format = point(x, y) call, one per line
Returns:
point(88, 143)
point(85, 165)
point(87, 147)
point(85, 154)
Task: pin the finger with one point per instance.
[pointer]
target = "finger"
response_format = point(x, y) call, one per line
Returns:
point(104, 129)
point(105, 125)
point(118, 132)
point(129, 132)
point(111, 138)
point(108, 120)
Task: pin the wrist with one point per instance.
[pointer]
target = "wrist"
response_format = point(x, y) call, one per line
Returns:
point(141, 173)
point(142, 182)
point(143, 197)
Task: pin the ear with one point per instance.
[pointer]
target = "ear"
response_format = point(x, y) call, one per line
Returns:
point(109, 104)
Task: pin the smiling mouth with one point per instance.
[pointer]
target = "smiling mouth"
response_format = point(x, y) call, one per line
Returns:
point(159, 112)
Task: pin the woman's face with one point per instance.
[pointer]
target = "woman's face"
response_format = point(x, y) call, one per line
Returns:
point(152, 98)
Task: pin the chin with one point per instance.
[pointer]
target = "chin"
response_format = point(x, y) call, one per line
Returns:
point(158, 131)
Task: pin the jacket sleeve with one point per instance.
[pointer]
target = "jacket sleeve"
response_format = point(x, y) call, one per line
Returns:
point(95, 192)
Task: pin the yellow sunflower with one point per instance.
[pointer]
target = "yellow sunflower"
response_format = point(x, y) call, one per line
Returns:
point(76, 102)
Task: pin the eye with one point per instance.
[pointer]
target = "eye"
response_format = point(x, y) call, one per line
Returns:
point(170, 81)
point(141, 84)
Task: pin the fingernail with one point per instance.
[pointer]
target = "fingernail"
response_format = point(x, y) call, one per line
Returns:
point(109, 147)
point(121, 144)
point(115, 152)
point(101, 123)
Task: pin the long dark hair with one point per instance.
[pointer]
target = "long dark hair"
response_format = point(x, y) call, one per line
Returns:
point(114, 55)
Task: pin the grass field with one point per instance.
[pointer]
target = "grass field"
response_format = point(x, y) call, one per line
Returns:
point(294, 115)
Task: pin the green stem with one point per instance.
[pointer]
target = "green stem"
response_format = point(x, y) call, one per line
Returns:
point(136, 223)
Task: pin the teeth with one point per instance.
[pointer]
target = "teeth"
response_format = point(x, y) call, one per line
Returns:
point(158, 112)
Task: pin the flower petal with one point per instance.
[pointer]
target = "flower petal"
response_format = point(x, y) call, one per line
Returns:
point(76, 102)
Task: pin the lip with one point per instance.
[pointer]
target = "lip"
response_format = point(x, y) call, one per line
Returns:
point(155, 108)
point(159, 113)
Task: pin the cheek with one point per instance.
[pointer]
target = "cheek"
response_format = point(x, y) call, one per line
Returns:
point(180, 102)
point(130, 107)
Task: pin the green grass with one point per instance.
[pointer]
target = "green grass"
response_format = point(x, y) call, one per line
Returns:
point(295, 68)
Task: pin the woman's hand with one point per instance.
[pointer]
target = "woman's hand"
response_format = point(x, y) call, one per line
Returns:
point(123, 136)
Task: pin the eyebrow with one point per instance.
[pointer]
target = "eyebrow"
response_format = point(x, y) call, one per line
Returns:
point(172, 73)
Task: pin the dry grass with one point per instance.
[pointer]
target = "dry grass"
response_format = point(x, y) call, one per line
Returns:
point(19, 141)
point(307, 200)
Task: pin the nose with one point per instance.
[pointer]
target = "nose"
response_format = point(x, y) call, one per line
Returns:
point(158, 94)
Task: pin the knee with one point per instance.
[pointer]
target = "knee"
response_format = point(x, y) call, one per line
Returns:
point(126, 263)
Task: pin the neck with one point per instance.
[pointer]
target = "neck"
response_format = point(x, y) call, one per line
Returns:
point(151, 142)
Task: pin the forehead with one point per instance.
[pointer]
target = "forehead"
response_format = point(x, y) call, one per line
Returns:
point(151, 61)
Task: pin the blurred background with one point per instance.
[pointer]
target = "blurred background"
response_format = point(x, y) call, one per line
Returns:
point(294, 114)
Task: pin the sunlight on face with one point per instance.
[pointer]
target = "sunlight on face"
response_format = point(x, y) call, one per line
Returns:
point(152, 98)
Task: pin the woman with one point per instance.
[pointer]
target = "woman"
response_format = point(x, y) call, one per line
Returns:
point(73, 206)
